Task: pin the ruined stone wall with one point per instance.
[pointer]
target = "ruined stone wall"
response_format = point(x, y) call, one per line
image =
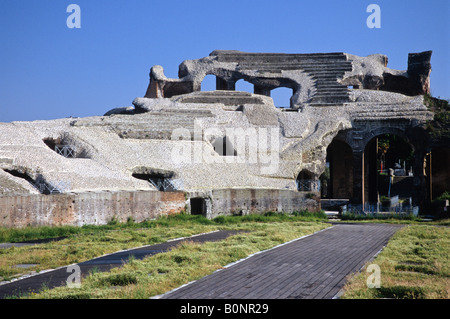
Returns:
point(93, 208)
point(259, 201)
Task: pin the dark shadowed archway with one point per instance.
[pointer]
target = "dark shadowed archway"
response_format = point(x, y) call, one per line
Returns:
point(388, 168)
point(338, 183)
point(437, 172)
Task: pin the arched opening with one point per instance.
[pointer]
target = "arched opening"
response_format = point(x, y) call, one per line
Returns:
point(39, 182)
point(388, 169)
point(337, 179)
point(306, 182)
point(160, 179)
point(244, 86)
point(282, 97)
point(65, 146)
point(209, 83)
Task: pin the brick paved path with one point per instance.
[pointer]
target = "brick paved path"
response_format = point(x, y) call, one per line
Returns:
point(313, 267)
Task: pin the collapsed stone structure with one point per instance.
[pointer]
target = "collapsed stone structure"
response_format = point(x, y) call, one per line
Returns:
point(224, 151)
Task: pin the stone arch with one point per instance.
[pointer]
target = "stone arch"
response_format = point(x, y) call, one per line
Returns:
point(380, 171)
point(282, 97)
point(383, 130)
point(244, 86)
point(209, 83)
point(360, 136)
point(306, 181)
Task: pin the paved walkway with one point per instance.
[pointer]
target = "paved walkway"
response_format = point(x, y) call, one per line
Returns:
point(314, 267)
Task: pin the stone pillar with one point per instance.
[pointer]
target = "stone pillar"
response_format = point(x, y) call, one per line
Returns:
point(261, 90)
point(154, 90)
point(419, 69)
point(420, 187)
point(358, 177)
point(222, 84)
point(370, 167)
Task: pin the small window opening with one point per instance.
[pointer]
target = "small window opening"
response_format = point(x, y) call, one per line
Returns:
point(306, 182)
point(39, 183)
point(161, 179)
point(63, 148)
point(282, 97)
point(209, 83)
point(161, 182)
point(244, 86)
point(198, 206)
point(19, 174)
point(224, 147)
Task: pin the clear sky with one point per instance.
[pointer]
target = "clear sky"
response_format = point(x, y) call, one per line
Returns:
point(49, 71)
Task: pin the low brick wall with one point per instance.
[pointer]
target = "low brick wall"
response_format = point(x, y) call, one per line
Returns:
point(90, 208)
point(98, 208)
point(259, 201)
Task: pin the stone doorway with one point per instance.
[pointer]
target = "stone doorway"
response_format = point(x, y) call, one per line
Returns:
point(198, 206)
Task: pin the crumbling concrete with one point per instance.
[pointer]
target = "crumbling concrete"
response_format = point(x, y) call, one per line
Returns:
point(259, 201)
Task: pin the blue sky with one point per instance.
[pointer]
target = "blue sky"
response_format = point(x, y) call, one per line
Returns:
point(49, 71)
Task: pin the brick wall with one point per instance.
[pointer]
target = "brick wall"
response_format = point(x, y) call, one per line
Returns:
point(92, 208)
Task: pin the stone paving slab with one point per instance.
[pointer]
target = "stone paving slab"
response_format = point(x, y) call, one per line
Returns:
point(57, 277)
point(313, 267)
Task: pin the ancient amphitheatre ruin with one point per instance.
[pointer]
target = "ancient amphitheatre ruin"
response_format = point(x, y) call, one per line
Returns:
point(179, 148)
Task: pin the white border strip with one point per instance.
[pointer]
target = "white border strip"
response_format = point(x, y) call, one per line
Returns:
point(180, 238)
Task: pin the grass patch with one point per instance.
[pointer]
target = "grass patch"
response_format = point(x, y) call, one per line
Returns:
point(400, 292)
point(120, 279)
point(15, 235)
point(378, 216)
point(414, 265)
point(271, 217)
point(391, 219)
point(87, 242)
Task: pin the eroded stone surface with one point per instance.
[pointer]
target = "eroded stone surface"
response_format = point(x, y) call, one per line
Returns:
point(175, 126)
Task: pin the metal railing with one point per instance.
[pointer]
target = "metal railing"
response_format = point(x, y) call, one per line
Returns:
point(58, 187)
point(308, 185)
point(379, 208)
point(166, 185)
point(65, 150)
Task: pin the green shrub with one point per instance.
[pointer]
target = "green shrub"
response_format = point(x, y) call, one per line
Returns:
point(220, 220)
point(375, 216)
point(315, 215)
point(122, 279)
point(444, 196)
point(270, 213)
